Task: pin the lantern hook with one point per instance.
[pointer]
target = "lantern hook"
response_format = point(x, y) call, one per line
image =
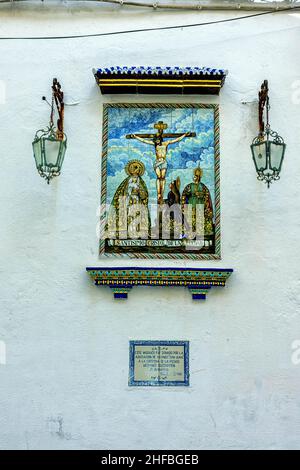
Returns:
point(263, 103)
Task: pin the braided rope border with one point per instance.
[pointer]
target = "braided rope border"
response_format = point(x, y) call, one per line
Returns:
point(140, 255)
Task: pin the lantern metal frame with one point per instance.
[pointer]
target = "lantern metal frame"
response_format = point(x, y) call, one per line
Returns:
point(51, 135)
point(46, 169)
point(267, 171)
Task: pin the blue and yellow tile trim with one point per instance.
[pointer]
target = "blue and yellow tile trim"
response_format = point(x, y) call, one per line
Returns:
point(162, 80)
point(198, 281)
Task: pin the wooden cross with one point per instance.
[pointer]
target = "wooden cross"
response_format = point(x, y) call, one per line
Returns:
point(160, 126)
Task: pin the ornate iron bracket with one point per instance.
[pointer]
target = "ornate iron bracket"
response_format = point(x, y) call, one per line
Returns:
point(263, 96)
point(198, 281)
point(58, 97)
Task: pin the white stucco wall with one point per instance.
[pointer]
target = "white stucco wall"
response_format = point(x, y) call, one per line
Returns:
point(64, 384)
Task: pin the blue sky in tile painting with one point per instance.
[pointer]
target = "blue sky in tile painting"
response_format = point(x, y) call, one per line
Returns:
point(182, 157)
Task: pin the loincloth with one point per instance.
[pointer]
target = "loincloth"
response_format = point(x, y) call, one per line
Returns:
point(160, 164)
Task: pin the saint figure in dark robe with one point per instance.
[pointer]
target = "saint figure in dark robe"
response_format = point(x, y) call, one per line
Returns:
point(197, 209)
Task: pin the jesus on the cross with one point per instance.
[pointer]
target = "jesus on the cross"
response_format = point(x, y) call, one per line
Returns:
point(161, 147)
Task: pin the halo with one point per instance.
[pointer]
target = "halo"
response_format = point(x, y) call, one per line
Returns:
point(198, 171)
point(135, 167)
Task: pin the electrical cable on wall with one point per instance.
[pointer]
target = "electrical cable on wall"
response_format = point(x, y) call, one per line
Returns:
point(159, 28)
point(248, 5)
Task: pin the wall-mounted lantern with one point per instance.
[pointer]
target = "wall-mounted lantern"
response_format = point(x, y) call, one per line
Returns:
point(268, 148)
point(49, 145)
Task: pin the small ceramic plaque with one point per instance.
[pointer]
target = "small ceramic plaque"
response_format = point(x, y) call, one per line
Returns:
point(159, 363)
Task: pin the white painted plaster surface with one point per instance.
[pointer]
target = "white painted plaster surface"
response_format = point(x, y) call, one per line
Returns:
point(63, 384)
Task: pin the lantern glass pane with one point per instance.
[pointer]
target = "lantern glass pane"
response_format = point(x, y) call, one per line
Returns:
point(259, 154)
point(37, 152)
point(62, 151)
point(52, 147)
point(276, 155)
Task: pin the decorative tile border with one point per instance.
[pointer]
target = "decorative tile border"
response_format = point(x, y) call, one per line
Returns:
point(166, 80)
point(159, 70)
point(103, 215)
point(121, 280)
